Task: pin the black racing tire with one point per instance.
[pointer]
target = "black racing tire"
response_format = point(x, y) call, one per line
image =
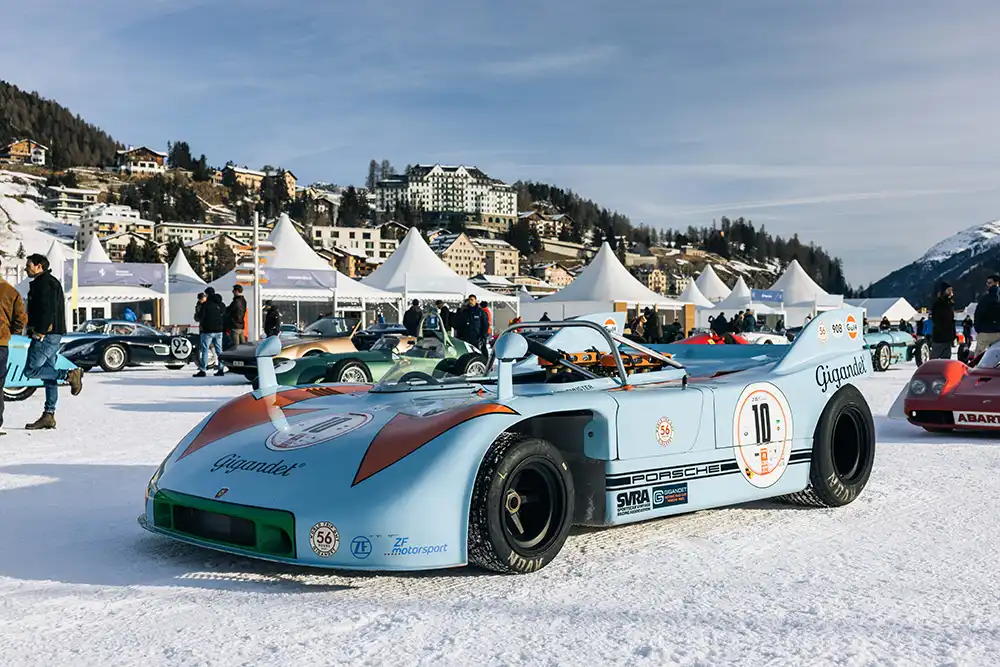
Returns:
point(517, 472)
point(843, 452)
point(175, 367)
point(921, 352)
point(114, 358)
point(350, 371)
point(471, 364)
point(768, 342)
point(18, 393)
point(417, 375)
point(881, 357)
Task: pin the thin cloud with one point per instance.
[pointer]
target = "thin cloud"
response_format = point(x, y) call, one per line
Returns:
point(553, 62)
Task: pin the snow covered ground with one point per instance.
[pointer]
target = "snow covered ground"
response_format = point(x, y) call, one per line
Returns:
point(906, 575)
point(27, 222)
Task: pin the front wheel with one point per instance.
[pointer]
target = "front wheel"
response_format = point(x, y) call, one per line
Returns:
point(522, 506)
point(843, 452)
point(881, 357)
point(921, 352)
point(18, 393)
point(473, 365)
point(114, 358)
point(349, 372)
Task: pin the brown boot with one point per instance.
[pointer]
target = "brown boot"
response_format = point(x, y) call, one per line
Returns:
point(75, 379)
point(47, 420)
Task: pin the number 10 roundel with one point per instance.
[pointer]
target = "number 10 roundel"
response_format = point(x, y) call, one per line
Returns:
point(762, 434)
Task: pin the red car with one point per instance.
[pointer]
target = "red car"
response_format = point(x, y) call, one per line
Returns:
point(713, 339)
point(946, 394)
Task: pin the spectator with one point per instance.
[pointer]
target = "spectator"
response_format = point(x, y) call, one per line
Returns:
point(749, 321)
point(720, 325)
point(212, 323)
point(943, 332)
point(654, 326)
point(129, 315)
point(412, 317)
point(967, 325)
point(12, 321)
point(46, 326)
point(545, 317)
point(445, 313)
point(987, 320)
point(885, 324)
point(471, 324)
point(920, 327)
point(905, 326)
point(272, 319)
point(198, 306)
point(489, 316)
point(236, 316)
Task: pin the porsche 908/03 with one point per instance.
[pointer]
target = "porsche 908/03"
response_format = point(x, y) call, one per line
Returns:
point(420, 472)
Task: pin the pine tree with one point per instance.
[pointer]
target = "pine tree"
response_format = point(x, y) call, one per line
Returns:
point(133, 253)
point(151, 252)
point(224, 259)
point(20, 251)
point(201, 171)
point(386, 170)
point(179, 156)
point(372, 175)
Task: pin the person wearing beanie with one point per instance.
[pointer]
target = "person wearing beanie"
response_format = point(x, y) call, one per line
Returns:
point(987, 322)
point(943, 333)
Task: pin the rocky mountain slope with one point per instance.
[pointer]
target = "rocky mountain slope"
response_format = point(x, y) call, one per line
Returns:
point(964, 260)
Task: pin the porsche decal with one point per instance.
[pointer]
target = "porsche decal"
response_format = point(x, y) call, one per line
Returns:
point(405, 434)
point(250, 410)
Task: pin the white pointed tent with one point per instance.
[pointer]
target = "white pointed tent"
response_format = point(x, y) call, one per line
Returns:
point(181, 273)
point(740, 298)
point(711, 286)
point(294, 274)
point(892, 308)
point(416, 272)
point(692, 294)
point(94, 254)
point(603, 285)
point(802, 297)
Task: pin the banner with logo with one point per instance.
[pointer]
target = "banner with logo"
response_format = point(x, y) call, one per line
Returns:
point(152, 276)
point(767, 295)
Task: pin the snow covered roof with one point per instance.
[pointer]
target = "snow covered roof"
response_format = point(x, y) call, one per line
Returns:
point(711, 285)
point(692, 294)
point(180, 270)
point(291, 250)
point(95, 254)
point(798, 287)
point(606, 280)
point(416, 270)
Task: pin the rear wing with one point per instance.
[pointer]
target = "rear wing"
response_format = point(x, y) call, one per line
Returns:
point(831, 335)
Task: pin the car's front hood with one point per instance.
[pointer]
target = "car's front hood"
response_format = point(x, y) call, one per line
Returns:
point(278, 450)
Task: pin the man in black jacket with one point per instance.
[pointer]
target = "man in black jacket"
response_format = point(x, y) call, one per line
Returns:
point(236, 314)
point(412, 317)
point(987, 320)
point(472, 324)
point(211, 324)
point(272, 319)
point(46, 326)
point(943, 333)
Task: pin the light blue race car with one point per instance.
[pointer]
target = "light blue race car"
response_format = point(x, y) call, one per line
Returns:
point(17, 387)
point(585, 427)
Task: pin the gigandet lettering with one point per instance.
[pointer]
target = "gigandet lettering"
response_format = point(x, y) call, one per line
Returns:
point(233, 462)
point(837, 375)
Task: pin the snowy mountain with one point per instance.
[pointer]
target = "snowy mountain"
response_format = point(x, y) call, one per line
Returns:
point(23, 222)
point(964, 260)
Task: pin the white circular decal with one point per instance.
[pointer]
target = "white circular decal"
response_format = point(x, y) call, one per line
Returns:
point(324, 539)
point(837, 329)
point(180, 348)
point(664, 431)
point(762, 434)
point(821, 331)
point(316, 430)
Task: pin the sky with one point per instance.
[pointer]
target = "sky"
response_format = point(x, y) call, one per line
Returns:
point(869, 127)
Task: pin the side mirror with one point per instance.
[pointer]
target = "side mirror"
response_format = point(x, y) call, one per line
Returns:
point(511, 347)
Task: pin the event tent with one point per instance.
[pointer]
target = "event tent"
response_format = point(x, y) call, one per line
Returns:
point(416, 272)
point(294, 273)
point(894, 308)
point(740, 298)
point(692, 294)
point(802, 297)
point(711, 285)
point(601, 285)
point(180, 272)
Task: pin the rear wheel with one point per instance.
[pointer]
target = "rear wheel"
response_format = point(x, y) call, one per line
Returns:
point(471, 364)
point(881, 357)
point(350, 372)
point(18, 393)
point(114, 358)
point(522, 506)
point(921, 352)
point(843, 452)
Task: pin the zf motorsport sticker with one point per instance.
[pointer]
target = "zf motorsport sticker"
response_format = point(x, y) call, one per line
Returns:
point(313, 431)
point(324, 539)
point(762, 434)
point(664, 431)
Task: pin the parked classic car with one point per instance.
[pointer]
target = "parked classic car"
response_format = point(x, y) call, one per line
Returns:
point(115, 344)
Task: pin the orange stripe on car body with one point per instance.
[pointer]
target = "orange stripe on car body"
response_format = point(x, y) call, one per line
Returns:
point(405, 434)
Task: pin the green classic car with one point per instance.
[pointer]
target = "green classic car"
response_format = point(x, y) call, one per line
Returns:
point(433, 352)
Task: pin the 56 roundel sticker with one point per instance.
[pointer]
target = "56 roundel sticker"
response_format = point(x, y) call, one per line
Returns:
point(762, 434)
point(313, 431)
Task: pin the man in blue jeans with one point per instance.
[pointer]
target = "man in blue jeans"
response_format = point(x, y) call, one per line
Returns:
point(46, 326)
point(211, 315)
